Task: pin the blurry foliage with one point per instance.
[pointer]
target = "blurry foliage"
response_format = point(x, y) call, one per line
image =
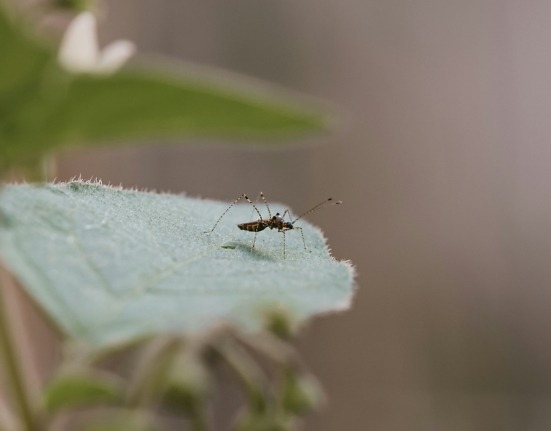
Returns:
point(44, 108)
point(75, 5)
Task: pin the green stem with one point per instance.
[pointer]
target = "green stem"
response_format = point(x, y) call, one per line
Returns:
point(13, 371)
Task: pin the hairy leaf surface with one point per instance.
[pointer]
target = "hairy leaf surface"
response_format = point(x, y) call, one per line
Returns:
point(112, 265)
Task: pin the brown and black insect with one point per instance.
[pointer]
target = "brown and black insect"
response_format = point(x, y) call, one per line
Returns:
point(273, 222)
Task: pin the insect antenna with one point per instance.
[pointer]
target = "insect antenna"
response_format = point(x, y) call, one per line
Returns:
point(323, 204)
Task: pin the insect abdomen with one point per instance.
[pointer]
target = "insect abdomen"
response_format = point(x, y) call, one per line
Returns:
point(252, 226)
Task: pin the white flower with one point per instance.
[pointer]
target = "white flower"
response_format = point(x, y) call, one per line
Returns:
point(79, 51)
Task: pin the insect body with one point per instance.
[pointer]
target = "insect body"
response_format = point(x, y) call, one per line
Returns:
point(273, 222)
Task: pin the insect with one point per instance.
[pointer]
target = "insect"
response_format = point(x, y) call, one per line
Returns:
point(276, 221)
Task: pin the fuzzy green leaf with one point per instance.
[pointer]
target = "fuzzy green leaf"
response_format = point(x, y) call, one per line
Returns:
point(112, 265)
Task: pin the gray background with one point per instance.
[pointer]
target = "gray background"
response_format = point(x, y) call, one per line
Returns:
point(443, 165)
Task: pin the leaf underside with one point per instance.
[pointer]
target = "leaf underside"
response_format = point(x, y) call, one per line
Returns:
point(111, 265)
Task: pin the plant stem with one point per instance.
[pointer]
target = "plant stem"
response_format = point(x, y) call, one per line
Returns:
point(13, 371)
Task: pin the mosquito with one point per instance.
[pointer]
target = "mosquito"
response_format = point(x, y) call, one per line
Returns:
point(276, 221)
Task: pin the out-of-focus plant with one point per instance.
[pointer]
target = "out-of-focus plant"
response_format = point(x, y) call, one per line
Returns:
point(47, 104)
point(135, 274)
point(80, 53)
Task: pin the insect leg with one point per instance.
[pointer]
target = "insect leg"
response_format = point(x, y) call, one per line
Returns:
point(294, 227)
point(301, 234)
point(243, 196)
point(283, 244)
point(254, 240)
point(260, 195)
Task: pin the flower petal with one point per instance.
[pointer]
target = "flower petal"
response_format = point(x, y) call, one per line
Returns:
point(114, 56)
point(79, 48)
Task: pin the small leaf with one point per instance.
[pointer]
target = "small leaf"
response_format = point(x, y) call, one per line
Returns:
point(88, 388)
point(112, 265)
point(280, 323)
point(301, 393)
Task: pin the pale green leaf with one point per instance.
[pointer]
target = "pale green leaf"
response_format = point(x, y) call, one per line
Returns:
point(112, 265)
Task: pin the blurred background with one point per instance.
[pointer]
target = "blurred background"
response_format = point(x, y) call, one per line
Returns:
point(443, 163)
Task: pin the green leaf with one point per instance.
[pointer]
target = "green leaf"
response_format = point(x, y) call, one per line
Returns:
point(77, 389)
point(112, 265)
point(140, 104)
